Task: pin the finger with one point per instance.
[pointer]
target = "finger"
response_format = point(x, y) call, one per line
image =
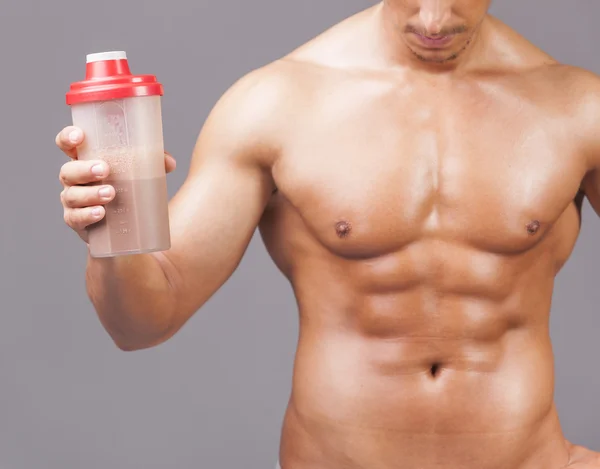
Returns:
point(86, 196)
point(68, 139)
point(74, 173)
point(81, 218)
point(170, 163)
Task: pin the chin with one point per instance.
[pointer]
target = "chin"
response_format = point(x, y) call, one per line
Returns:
point(439, 56)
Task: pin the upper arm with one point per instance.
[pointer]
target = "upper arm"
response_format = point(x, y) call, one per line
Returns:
point(588, 124)
point(216, 211)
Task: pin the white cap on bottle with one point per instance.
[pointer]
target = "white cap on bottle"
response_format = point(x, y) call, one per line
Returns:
point(112, 55)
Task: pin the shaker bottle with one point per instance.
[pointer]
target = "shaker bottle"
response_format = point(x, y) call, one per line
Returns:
point(120, 115)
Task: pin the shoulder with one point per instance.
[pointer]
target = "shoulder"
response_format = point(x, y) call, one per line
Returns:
point(267, 92)
point(260, 107)
point(247, 120)
point(578, 92)
point(568, 93)
point(575, 81)
point(583, 86)
point(251, 101)
point(570, 96)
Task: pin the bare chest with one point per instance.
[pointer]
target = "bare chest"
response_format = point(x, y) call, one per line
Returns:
point(368, 177)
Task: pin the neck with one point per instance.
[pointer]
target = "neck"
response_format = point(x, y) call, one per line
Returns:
point(399, 53)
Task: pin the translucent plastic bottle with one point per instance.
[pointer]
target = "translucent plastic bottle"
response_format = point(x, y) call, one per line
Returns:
point(120, 114)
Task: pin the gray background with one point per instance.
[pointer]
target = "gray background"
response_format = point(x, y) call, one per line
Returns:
point(214, 396)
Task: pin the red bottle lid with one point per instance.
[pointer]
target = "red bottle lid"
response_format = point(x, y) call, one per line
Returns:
point(108, 77)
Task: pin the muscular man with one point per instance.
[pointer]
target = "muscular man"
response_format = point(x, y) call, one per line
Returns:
point(417, 173)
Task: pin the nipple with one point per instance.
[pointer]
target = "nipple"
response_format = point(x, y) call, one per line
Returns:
point(343, 229)
point(533, 227)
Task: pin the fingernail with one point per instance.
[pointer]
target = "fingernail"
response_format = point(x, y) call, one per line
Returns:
point(104, 192)
point(96, 212)
point(75, 136)
point(98, 169)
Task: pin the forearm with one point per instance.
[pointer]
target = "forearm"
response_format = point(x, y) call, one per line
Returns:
point(133, 298)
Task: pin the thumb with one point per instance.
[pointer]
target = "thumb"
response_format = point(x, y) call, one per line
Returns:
point(170, 163)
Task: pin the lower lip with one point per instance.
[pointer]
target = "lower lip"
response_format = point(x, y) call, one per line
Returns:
point(434, 43)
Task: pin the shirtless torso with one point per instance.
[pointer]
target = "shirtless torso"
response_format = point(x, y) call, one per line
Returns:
point(421, 217)
point(421, 220)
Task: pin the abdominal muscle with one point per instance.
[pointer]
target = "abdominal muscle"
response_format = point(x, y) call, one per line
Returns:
point(465, 385)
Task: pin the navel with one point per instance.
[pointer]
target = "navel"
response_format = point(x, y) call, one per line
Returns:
point(435, 369)
point(533, 227)
point(343, 229)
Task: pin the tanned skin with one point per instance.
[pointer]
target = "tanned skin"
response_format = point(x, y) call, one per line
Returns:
point(417, 173)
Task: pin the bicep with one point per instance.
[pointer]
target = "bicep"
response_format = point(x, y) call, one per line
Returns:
point(591, 188)
point(216, 211)
point(588, 129)
point(213, 218)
